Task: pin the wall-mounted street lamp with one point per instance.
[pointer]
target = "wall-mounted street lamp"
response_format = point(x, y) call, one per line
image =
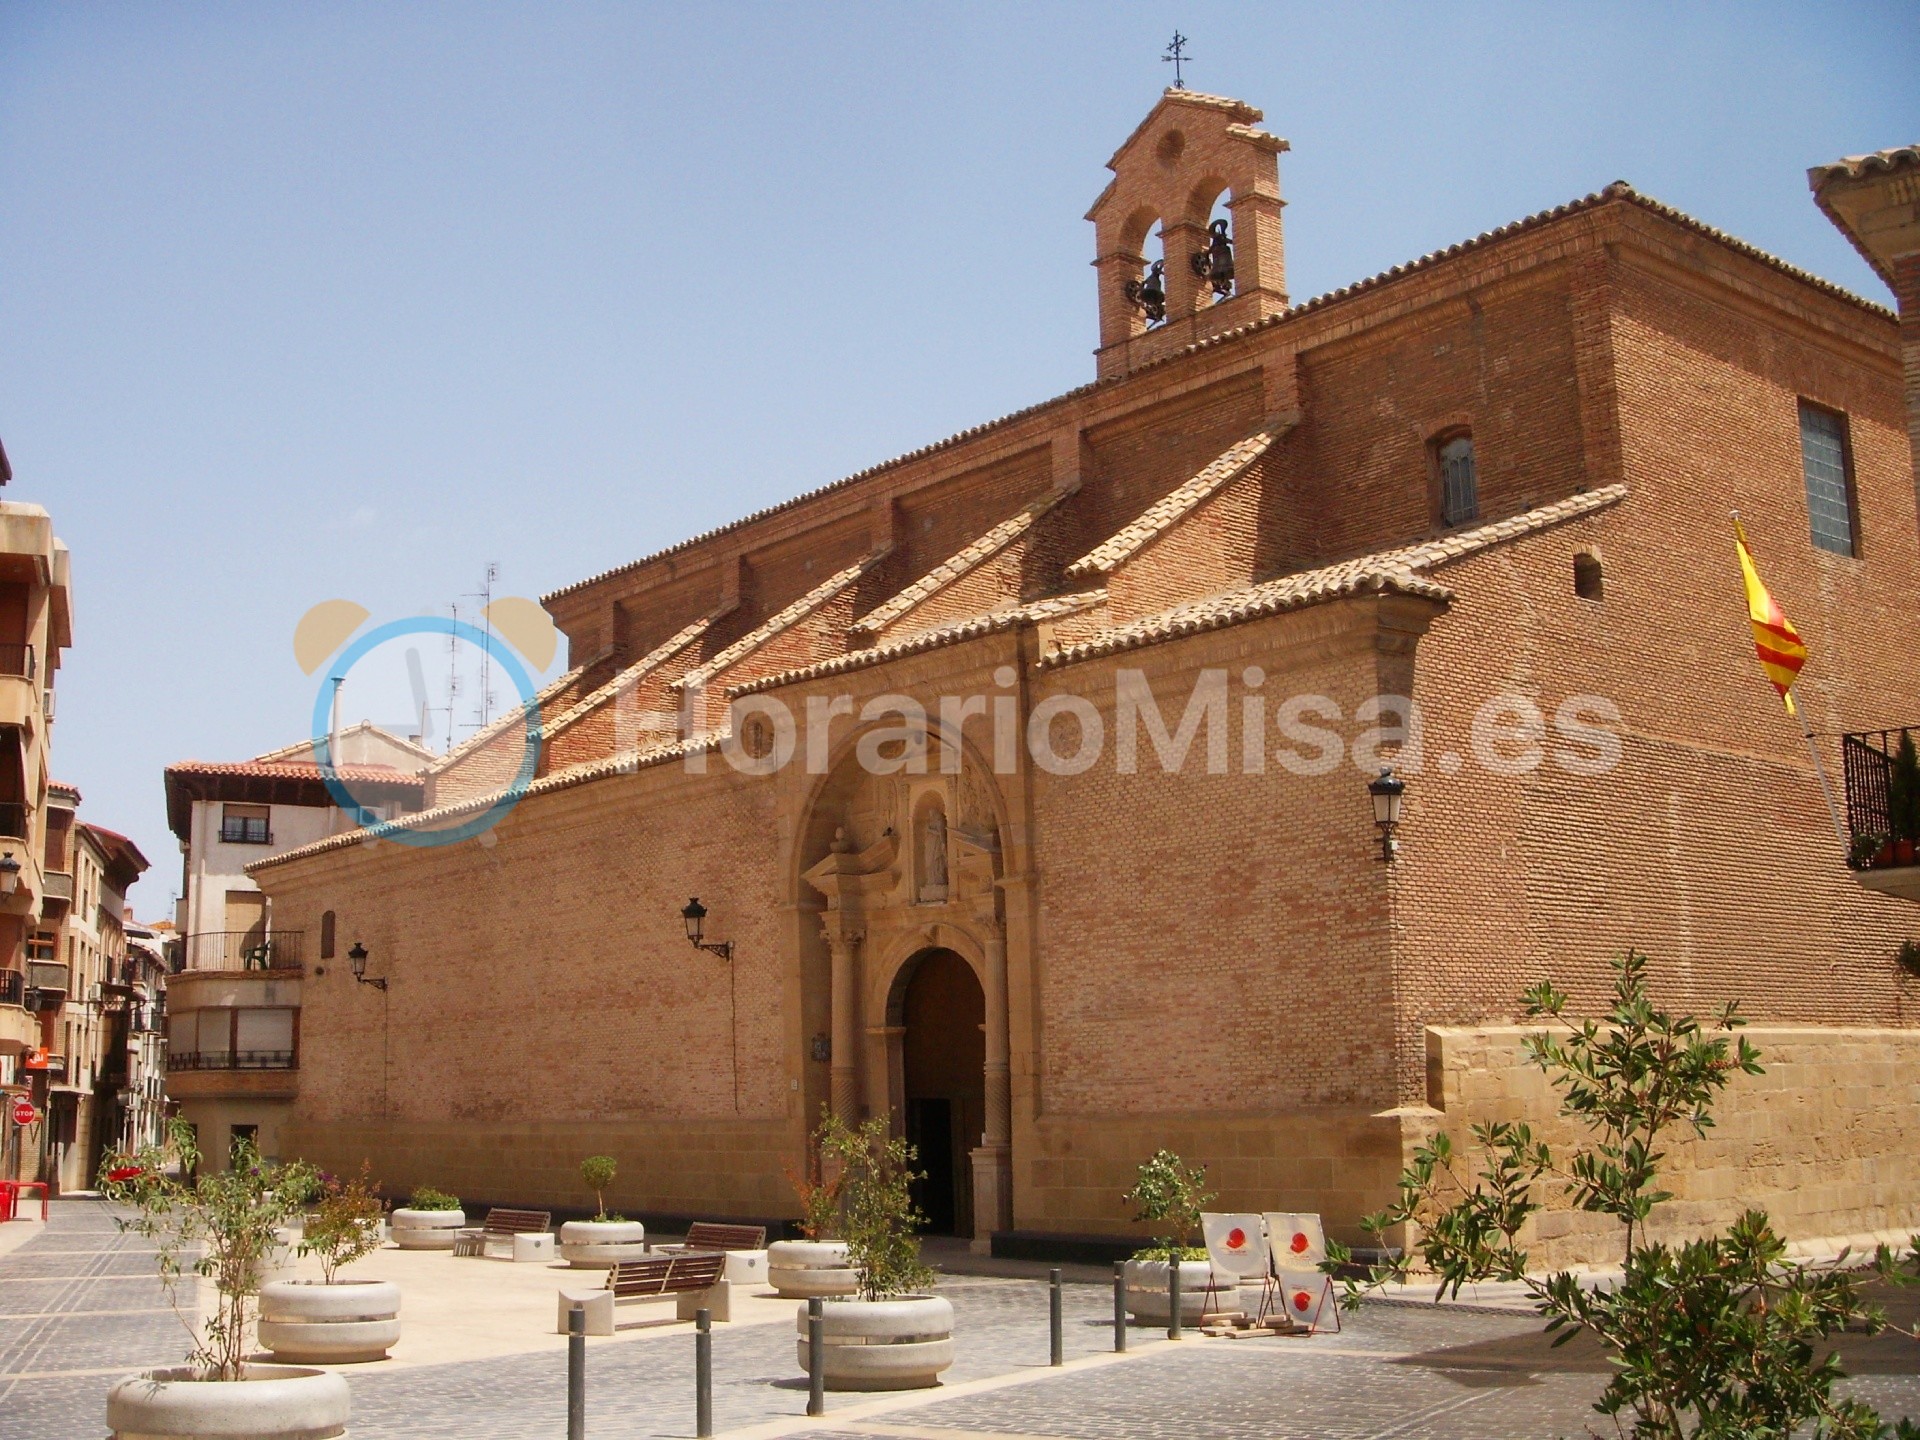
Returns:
point(9, 874)
point(1389, 793)
point(694, 916)
point(357, 958)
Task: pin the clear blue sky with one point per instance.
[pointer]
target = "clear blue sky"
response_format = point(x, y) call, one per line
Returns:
point(303, 301)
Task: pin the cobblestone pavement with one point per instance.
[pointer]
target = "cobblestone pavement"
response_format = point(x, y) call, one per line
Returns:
point(78, 1307)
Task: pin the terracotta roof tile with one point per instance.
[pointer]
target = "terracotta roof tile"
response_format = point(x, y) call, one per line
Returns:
point(968, 559)
point(1856, 167)
point(1165, 512)
point(295, 770)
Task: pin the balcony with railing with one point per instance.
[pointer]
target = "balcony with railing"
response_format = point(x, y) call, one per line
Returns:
point(13, 988)
point(246, 950)
point(232, 1060)
point(1882, 770)
point(13, 820)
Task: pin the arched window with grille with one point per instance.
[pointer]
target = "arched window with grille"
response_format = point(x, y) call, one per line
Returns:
point(1458, 481)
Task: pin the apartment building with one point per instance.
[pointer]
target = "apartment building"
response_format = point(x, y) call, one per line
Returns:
point(233, 1005)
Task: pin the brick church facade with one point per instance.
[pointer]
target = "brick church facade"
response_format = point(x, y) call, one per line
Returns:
point(915, 740)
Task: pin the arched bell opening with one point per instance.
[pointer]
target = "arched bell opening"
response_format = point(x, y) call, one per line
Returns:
point(940, 1008)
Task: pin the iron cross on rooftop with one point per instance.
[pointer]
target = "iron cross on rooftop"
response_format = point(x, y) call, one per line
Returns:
point(1176, 56)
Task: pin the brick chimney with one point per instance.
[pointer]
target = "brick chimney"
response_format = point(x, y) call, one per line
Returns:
point(1875, 200)
point(1191, 150)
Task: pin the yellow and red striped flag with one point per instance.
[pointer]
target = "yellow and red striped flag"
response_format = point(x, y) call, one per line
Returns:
point(1781, 650)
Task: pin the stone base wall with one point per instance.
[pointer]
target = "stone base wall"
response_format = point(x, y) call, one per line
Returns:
point(1340, 1162)
point(1823, 1141)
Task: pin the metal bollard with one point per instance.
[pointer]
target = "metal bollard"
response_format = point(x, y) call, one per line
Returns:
point(1119, 1307)
point(703, 1372)
point(577, 1373)
point(816, 1358)
point(1173, 1296)
point(1059, 1344)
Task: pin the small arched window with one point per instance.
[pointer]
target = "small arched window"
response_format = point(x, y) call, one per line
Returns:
point(1459, 478)
point(1588, 581)
point(326, 935)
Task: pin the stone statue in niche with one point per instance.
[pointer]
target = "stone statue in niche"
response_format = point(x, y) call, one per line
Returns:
point(933, 857)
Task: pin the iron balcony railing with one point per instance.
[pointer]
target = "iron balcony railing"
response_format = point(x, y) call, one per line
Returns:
point(245, 830)
point(13, 988)
point(13, 819)
point(231, 1060)
point(246, 950)
point(17, 660)
point(1883, 803)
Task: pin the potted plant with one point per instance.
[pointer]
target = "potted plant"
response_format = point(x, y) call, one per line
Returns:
point(605, 1238)
point(1864, 853)
point(892, 1335)
point(428, 1221)
point(333, 1321)
point(818, 1263)
point(223, 1226)
point(1167, 1193)
point(1903, 799)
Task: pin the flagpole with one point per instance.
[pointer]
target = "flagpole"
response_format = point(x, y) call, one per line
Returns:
point(1826, 786)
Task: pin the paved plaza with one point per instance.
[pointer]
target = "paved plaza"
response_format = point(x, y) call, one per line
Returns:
point(80, 1306)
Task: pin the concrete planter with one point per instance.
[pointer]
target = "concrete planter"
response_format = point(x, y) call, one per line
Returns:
point(585, 1244)
point(801, 1269)
point(308, 1322)
point(898, 1344)
point(272, 1402)
point(426, 1229)
point(1147, 1291)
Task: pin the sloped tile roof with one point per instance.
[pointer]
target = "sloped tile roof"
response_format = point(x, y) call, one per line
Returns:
point(791, 616)
point(1170, 508)
point(1397, 570)
point(1006, 618)
point(294, 770)
point(966, 560)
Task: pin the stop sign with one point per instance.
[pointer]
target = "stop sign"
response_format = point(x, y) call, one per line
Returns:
point(23, 1111)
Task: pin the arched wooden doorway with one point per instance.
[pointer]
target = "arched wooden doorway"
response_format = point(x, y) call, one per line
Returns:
point(939, 1004)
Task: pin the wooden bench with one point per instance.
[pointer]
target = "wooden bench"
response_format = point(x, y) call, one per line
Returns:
point(692, 1279)
point(709, 1235)
point(501, 1224)
point(745, 1247)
